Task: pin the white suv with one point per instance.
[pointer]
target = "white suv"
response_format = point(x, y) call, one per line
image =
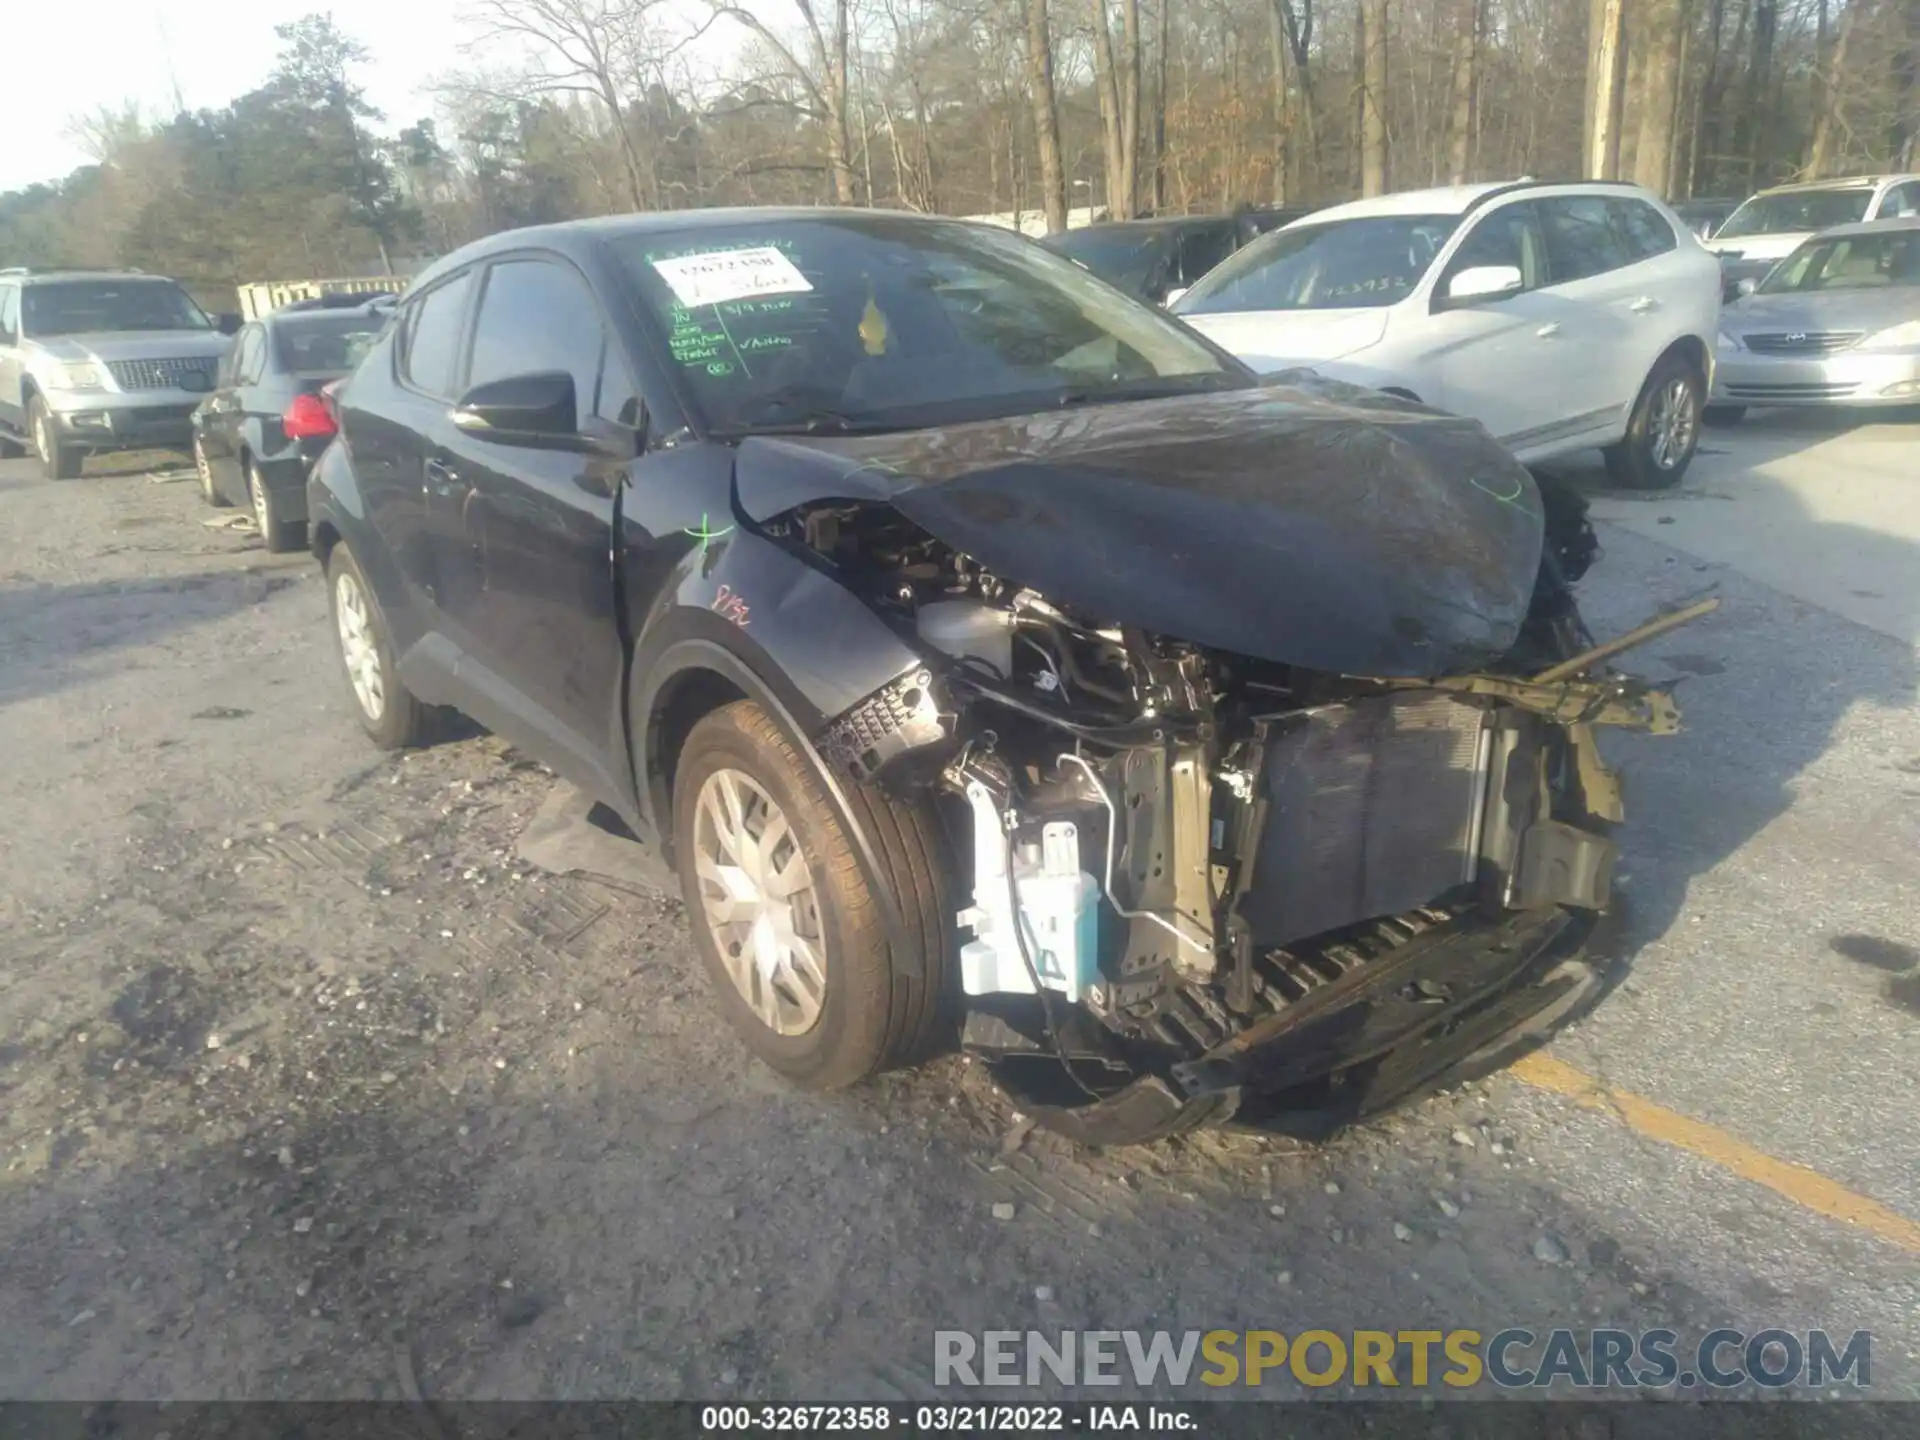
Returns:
point(1773, 224)
point(1561, 317)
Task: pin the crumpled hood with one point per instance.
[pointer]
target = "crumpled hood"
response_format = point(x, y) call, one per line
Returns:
point(1270, 340)
point(1355, 535)
point(144, 345)
point(1865, 310)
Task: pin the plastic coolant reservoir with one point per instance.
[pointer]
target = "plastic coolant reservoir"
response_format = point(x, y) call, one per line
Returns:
point(969, 627)
point(1059, 908)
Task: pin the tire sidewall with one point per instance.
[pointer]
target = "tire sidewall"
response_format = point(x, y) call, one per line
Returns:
point(1648, 473)
point(844, 1045)
point(387, 731)
point(260, 503)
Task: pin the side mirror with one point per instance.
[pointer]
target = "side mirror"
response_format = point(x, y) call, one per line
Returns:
point(1746, 286)
point(228, 323)
point(1173, 295)
point(1485, 282)
point(538, 411)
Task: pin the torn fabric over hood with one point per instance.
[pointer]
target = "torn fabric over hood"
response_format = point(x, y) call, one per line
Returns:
point(1310, 525)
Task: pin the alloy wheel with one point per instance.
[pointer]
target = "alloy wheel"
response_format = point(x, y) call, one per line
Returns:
point(43, 437)
point(760, 902)
point(1671, 426)
point(354, 616)
point(204, 470)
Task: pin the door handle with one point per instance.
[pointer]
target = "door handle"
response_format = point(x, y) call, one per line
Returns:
point(1642, 305)
point(1548, 330)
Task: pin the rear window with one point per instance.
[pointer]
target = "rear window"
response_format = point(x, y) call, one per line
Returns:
point(324, 344)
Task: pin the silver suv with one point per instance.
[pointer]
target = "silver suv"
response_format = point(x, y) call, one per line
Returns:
point(101, 360)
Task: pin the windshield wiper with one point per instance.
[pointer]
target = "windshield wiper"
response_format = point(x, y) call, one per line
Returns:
point(806, 408)
point(1150, 387)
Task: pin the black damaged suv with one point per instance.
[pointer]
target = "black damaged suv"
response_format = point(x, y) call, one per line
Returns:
point(997, 662)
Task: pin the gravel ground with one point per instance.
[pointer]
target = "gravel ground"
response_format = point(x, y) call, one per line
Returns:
point(311, 1088)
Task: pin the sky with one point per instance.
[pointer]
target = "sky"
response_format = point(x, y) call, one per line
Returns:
point(71, 60)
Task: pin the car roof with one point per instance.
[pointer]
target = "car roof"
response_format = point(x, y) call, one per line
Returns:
point(1844, 182)
point(1889, 226)
point(572, 236)
point(53, 277)
point(1145, 226)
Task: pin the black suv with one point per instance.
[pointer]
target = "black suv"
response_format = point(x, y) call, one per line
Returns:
point(994, 659)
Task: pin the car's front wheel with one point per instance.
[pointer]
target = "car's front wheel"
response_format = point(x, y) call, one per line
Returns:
point(794, 940)
point(387, 709)
point(57, 461)
point(1664, 429)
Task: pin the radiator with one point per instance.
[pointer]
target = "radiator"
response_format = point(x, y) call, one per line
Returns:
point(1373, 809)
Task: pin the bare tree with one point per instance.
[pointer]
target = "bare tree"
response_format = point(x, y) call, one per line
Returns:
point(1832, 91)
point(1608, 77)
point(1046, 116)
point(1659, 94)
point(595, 45)
point(1373, 97)
point(822, 77)
point(1466, 54)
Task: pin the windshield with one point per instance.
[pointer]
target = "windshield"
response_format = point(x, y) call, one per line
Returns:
point(1851, 262)
point(1792, 211)
point(324, 344)
point(1131, 259)
point(75, 307)
point(1340, 265)
point(882, 323)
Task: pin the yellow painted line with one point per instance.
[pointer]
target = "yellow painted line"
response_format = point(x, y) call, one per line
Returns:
point(1808, 1188)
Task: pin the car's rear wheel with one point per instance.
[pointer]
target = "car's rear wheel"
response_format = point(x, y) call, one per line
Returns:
point(202, 467)
point(794, 940)
point(1663, 430)
point(387, 710)
point(1725, 414)
point(57, 461)
point(279, 536)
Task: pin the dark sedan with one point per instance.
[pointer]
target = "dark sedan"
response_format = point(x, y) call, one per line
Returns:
point(1153, 259)
point(999, 663)
point(257, 435)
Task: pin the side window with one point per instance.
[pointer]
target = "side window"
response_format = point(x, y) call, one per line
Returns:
point(430, 348)
point(1901, 200)
point(1643, 229)
point(1508, 236)
point(1201, 250)
point(539, 315)
point(1581, 240)
point(9, 314)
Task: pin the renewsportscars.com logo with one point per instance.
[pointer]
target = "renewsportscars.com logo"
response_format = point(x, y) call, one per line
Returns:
point(1509, 1359)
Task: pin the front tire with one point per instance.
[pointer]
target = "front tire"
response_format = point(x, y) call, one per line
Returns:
point(389, 714)
point(279, 536)
point(793, 939)
point(57, 461)
point(1663, 430)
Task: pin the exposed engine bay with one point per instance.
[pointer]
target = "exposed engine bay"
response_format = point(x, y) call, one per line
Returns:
point(1262, 725)
point(1197, 877)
